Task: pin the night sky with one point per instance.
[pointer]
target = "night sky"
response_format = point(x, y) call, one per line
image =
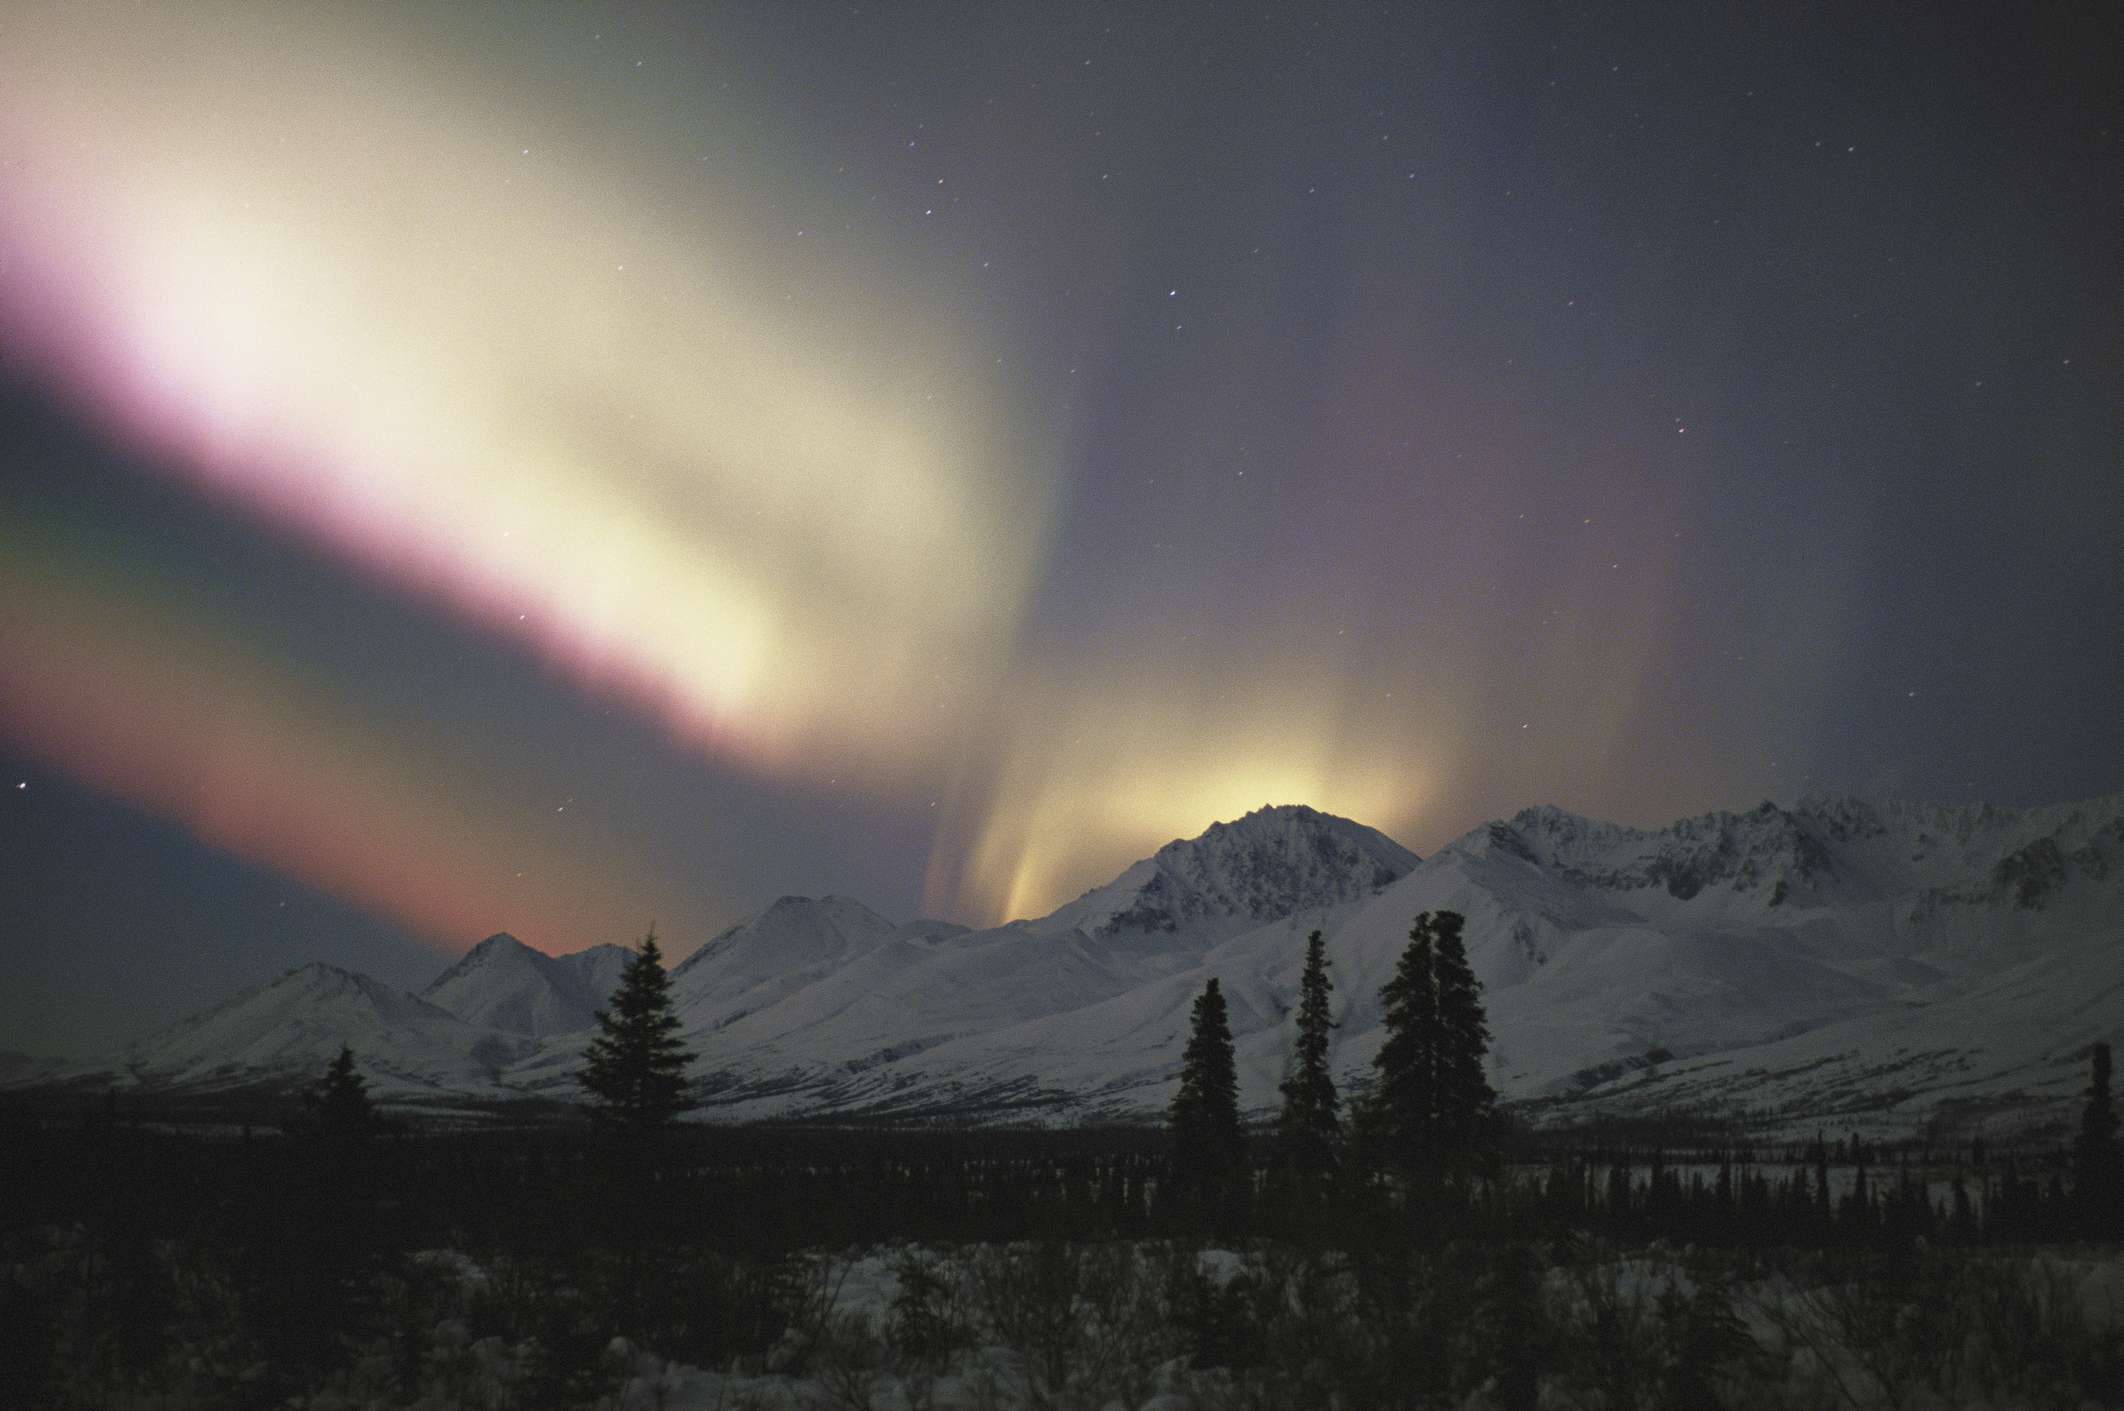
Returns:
point(481, 467)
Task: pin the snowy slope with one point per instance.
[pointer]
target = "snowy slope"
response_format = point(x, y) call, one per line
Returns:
point(1791, 961)
point(290, 1028)
point(762, 959)
point(1270, 863)
point(1923, 961)
point(848, 1035)
point(1842, 962)
point(501, 983)
point(818, 1001)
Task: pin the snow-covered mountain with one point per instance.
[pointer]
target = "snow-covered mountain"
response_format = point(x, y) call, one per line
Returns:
point(1271, 863)
point(765, 958)
point(1835, 962)
point(293, 1026)
point(823, 1002)
point(504, 984)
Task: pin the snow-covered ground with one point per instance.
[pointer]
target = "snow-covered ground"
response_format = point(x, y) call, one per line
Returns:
point(1878, 969)
point(975, 1329)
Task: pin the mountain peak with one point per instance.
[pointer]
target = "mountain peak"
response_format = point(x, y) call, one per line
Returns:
point(318, 974)
point(499, 949)
point(501, 983)
point(1832, 953)
point(297, 1022)
point(793, 926)
point(805, 906)
point(1274, 861)
point(757, 959)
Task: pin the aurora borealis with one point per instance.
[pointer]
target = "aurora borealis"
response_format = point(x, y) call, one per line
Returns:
point(476, 468)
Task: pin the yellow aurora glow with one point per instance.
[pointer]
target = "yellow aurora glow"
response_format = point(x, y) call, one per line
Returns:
point(1085, 780)
point(576, 373)
point(553, 371)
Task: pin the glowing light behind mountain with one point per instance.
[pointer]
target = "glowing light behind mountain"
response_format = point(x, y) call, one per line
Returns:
point(545, 467)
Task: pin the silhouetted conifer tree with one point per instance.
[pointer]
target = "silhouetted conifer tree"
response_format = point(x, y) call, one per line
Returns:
point(1858, 1202)
point(1401, 1119)
point(1310, 1127)
point(1431, 1108)
point(2095, 1152)
point(1208, 1166)
point(635, 1068)
point(1465, 1098)
point(1961, 1222)
point(336, 1108)
point(315, 1270)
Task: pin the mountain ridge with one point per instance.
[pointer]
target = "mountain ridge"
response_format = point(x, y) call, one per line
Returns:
point(1834, 937)
point(1267, 863)
point(300, 1019)
point(501, 983)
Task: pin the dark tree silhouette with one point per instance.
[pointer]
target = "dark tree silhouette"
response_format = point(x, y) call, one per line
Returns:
point(1465, 1098)
point(1430, 1110)
point(1309, 1131)
point(326, 1242)
point(635, 1069)
point(336, 1108)
point(1208, 1146)
point(2096, 1149)
point(1401, 1119)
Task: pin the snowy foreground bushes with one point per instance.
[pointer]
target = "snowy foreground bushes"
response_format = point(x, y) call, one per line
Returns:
point(1114, 1324)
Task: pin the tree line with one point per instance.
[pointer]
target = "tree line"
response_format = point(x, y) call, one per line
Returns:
point(1425, 1135)
point(1426, 1120)
point(243, 1268)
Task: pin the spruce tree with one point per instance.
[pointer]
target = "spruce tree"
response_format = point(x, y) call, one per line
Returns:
point(1402, 1117)
point(1208, 1146)
point(336, 1108)
point(2096, 1149)
point(1465, 1098)
point(1310, 1127)
point(318, 1277)
point(635, 1068)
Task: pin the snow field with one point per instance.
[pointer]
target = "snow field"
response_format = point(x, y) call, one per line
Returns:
point(1870, 969)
